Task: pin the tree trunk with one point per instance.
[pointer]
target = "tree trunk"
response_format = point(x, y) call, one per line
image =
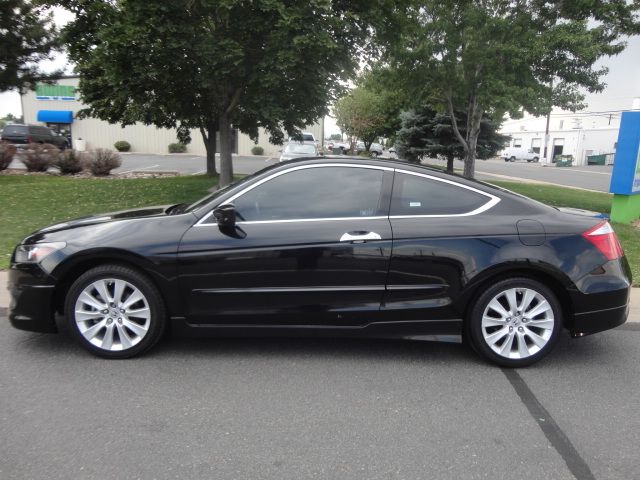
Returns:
point(226, 165)
point(449, 163)
point(209, 139)
point(472, 140)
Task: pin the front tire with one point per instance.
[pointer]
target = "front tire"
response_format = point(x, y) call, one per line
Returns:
point(515, 322)
point(115, 312)
point(512, 159)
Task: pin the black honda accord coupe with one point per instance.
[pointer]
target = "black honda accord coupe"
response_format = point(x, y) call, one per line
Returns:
point(332, 247)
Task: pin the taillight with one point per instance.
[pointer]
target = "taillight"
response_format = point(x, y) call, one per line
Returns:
point(605, 240)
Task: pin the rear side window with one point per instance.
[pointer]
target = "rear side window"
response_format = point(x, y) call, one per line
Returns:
point(417, 195)
point(40, 130)
point(15, 130)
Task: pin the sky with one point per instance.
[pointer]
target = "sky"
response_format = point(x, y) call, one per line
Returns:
point(623, 80)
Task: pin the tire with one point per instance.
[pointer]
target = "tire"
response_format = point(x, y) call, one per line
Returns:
point(115, 328)
point(512, 159)
point(514, 340)
point(374, 154)
point(536, 159)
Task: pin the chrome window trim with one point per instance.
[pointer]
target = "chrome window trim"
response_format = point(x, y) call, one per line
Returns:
point(493, 200)
point(201, 223)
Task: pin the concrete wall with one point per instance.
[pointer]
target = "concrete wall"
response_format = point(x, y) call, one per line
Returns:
point(143, 138)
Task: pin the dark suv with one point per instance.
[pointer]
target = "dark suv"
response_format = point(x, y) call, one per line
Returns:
point(24, 134)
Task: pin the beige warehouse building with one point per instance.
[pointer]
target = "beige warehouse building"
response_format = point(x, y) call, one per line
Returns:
point(57, 105)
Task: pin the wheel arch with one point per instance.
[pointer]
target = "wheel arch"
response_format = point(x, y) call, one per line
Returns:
point(69, 270)
point(557, 281)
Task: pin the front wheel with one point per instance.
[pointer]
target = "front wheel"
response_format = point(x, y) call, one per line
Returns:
point(515, 322)
point(115, 311)
point(512, 159)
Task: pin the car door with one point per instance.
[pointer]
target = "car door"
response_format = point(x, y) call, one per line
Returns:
point(439, 233)
point(311, 246)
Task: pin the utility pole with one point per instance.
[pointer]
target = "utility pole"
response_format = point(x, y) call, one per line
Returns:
point(546, 136)
point(546, 130)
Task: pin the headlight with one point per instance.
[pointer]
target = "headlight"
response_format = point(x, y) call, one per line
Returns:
point(37, 252)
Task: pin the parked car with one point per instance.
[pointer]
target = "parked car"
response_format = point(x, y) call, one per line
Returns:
point(298, 150)
point(511, 154)
point(24, 134)
point(329, 247)
point(375, 149)
point(306, 137)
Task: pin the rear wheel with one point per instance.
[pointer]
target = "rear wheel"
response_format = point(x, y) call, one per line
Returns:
point(515, 323)
point(115, 311)
point(535, 159)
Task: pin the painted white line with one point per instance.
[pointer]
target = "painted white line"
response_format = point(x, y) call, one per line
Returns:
point(200, 172)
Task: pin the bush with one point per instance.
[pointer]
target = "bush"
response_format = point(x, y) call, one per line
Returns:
point(122, 146)
point(7, 151)
point(70, 162)
point(38, 157)
point(177, 148)
point(257, 150)
point(103, 161)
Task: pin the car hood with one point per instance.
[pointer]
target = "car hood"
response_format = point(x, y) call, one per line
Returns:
point(155, 211)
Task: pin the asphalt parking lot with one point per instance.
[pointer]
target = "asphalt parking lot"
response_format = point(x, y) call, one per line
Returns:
point(593, 177)
point(311, 408)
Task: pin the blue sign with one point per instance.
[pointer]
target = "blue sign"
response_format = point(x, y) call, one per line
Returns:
point(625, 179)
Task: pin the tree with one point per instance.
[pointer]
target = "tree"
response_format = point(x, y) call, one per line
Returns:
point(425, 133)
point(498, 56)
point(27, 36)
point(211, 65)
point(360, 115)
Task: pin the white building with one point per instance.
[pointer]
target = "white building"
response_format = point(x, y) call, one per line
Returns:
point(56, 106)
point(569, 134)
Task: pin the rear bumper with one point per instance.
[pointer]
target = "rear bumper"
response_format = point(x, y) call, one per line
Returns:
point(31, 306)
point(598, 321)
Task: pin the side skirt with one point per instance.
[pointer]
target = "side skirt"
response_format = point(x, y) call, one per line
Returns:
point(425, 330)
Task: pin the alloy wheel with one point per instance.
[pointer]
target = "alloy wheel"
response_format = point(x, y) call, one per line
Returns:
point(112, 314)
point(517, 323)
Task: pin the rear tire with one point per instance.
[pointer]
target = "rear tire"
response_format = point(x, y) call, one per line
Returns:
point(536, 159)
point(115, 311)
point(515, 322)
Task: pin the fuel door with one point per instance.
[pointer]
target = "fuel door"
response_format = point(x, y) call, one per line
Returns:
point(531, 232)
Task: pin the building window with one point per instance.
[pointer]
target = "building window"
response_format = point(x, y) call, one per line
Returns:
point(517, 142)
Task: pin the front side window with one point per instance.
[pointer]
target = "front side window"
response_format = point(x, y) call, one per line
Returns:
point(314, 193)
point(417, 195)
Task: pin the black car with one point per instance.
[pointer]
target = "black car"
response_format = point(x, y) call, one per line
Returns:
point(329, 246)
point(25, 134)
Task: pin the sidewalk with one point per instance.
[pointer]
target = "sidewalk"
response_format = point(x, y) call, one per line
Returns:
point(634, 314)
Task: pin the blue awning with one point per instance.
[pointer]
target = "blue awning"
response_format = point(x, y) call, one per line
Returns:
point(55, 116)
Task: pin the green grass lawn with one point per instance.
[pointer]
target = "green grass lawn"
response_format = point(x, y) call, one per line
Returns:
point(32, 202)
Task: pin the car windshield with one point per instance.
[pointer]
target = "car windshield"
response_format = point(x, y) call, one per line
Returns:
point(300, 148)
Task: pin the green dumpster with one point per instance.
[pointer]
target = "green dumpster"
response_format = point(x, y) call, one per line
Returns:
point(596, 159)
point(564, 160)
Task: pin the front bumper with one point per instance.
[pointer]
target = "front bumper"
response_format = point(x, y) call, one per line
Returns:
point(31, 306)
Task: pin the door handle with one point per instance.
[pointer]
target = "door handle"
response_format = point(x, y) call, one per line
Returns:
point(359, 236)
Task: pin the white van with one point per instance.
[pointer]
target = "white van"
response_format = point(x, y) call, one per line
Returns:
point(511, 154)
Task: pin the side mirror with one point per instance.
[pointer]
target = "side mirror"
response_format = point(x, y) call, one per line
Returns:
point(225, 215)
